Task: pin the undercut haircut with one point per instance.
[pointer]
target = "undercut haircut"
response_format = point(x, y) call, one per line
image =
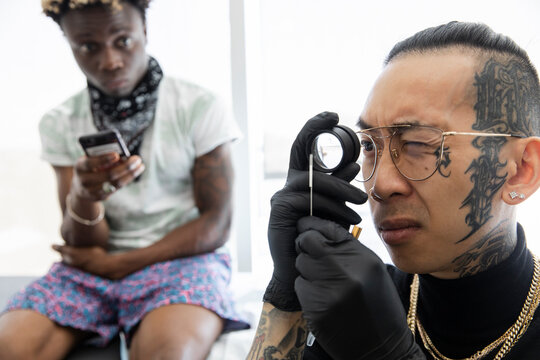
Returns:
point(56, 9)
point(487, 46)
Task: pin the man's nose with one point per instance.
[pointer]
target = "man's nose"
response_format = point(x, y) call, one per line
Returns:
point(111, 59)
point(387, 180)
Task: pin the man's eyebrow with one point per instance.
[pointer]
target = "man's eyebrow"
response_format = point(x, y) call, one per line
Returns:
point(362, 124)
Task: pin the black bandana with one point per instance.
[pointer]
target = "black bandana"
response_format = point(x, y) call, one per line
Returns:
point(131, 114)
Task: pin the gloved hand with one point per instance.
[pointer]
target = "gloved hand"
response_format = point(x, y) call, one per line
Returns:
point(292, 203)
point(349, 300)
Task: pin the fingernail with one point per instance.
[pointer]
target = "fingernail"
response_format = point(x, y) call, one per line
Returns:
point(135, 164)
point(140, 170)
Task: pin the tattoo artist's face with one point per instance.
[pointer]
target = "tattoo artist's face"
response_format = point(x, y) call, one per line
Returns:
point(428, 226)
point(109, 47)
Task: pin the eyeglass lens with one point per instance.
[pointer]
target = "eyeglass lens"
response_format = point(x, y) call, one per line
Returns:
point(414, 150)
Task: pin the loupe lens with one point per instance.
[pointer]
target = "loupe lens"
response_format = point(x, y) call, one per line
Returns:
point(334, 148)
point(327, 151)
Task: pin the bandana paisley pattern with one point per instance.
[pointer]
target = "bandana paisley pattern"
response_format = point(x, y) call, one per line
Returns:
point(132, 114)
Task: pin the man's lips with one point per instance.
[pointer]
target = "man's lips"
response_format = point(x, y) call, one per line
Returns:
point(398, 231)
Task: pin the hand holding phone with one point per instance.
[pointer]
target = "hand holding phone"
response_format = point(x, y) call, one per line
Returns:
point(104, 142)
point(98, 174)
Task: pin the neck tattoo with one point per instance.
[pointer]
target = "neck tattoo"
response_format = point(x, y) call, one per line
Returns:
point(489, 251)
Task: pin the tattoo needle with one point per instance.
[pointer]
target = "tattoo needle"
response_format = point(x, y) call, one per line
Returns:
point(311, 184)
point(310, 338)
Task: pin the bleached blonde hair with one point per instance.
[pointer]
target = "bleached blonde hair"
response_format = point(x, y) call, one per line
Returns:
point(55, 9)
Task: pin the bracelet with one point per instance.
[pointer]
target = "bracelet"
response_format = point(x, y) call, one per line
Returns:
point(79, 219)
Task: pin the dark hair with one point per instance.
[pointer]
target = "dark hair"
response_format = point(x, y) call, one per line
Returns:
point(482, 41)
point(456, 33)
point(56, 9)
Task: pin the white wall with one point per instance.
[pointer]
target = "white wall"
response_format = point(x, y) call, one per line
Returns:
point(189, 38)
point(304, 56)
point(320, 55)
point(325, 54)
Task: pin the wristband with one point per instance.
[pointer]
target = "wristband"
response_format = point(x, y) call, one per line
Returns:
point(81, 220)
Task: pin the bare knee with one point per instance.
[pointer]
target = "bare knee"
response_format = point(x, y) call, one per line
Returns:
point(185, 347)
point(170, 352)
point(176, 332)
point(25, 334)
point(13, 347)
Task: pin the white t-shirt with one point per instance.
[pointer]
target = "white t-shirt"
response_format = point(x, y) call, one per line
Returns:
point(189, 122)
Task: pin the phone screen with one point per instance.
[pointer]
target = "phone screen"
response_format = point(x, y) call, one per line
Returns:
point(104, 142)
point(104, 149)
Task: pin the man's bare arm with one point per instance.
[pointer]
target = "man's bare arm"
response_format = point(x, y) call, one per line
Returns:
point(279, 335)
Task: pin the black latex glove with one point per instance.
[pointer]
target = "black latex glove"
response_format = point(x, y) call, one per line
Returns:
point(292, 203)
point(349, 300)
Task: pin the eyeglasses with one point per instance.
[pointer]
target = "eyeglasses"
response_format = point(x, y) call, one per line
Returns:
point(416, 150)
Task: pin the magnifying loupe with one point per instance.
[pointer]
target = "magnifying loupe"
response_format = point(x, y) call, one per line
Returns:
point(335, 148)
point(331, 150)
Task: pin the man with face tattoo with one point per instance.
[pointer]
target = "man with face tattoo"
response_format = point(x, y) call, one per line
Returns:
point(144, 235)
point(449, 147)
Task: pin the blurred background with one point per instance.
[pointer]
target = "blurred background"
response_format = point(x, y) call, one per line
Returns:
point(276, 62)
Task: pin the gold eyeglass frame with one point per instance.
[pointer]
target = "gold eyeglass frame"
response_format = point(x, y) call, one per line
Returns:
point(393, 152)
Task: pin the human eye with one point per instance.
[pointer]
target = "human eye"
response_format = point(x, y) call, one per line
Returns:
point(368, 149)
point(367, 145)
point(419, 143)
point(86, 47)
point(414, 144)
point(416, 149)
point(125, 42)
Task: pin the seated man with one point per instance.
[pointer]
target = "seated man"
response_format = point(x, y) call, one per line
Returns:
point(143, 235)
point(449, 148)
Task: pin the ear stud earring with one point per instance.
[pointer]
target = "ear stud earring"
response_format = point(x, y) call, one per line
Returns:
point(514, 195)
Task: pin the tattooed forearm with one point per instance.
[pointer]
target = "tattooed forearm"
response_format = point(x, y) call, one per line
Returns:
point(490, 250)
point(504, 104)
point(212, 178)
point(212, 187)
point(280, 335)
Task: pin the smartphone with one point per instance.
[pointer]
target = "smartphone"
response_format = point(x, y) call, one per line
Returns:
point(104, 142)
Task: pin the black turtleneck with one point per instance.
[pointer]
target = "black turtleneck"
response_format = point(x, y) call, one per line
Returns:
point(475, 310)
point(462, 316)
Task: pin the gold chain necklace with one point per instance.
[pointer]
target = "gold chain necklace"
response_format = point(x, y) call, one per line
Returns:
point(508, 339)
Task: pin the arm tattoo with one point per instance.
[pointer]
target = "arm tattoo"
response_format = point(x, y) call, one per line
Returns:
point(212, 184)
point(505, 105)
point(490, 250)
point(269, 344)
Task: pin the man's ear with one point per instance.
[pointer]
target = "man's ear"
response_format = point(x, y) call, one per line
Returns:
point(524, 174)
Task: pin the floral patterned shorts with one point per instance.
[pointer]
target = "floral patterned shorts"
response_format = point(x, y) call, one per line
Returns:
point(71, 297)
